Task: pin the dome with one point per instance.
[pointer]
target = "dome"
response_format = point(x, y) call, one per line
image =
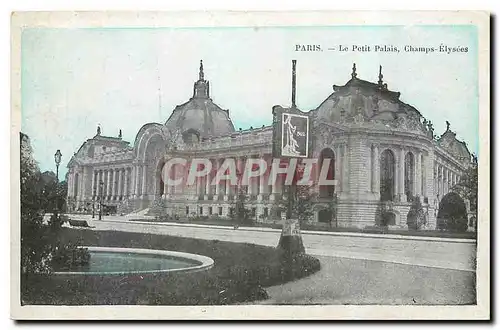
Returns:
point(372, 100)
point(200, 114)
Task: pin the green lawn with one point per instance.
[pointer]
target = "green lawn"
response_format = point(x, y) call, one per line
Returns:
point(239, 273)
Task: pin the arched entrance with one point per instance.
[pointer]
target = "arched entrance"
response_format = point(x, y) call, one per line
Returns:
point(154, 159)
point(327, 190)
point(387, 179)
point(409, 175)
point(452, 214)
point(160, 176)
point(325, 216)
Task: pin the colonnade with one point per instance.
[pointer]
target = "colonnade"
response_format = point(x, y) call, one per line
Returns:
point(258, 187)
point(444, 179)
point(412, 173)
point(111, 183)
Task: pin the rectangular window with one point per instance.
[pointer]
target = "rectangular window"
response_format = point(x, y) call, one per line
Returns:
point(201, 210)
point(209, 210)
point(220, 210)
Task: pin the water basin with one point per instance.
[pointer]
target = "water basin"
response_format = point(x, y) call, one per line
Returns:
point(119, 261)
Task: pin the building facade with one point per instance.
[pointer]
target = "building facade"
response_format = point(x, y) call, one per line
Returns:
point(383, 152)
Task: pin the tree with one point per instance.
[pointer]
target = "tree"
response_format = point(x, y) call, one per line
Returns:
point(416, 216)
point(332, 209)
point(302, 206)
point(452, 213)
point(467, 187)
point(240, 214)
point(41, 245)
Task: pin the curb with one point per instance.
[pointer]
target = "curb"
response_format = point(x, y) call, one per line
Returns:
point(308, 232)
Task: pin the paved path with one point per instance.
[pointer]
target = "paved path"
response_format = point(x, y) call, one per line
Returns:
point(446, 254)
point(345, 281)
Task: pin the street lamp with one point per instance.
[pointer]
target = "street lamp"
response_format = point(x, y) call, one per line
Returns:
point(57, 158)
point(101, 185)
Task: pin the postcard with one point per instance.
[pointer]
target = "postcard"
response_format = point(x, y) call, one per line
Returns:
point(250, 165)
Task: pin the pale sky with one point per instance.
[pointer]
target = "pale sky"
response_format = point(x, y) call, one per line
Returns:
point(75, 79)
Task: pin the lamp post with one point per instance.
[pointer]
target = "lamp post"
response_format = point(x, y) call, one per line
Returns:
point(57, 159)
point(101, 185)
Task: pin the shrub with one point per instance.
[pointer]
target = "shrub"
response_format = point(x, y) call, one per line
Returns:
point(452, 213)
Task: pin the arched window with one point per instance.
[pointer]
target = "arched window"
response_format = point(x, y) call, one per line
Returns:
point(191, 136)
point(327, 190)
point(409, 175)
point(387, 170)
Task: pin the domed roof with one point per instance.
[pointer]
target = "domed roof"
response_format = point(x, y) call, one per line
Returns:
point(372, 100)
point(200, 113)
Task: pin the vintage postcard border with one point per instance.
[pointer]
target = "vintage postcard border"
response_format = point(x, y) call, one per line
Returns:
point(21, 20)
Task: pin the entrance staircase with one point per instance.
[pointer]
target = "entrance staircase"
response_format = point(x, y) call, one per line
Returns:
point(158, 207)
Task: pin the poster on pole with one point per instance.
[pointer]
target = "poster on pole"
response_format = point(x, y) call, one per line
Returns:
point(291, 128)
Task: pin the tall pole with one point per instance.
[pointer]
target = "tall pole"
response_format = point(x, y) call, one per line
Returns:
point(294, 66)
point(291, 188)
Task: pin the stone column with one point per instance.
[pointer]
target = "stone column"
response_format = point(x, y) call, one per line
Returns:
point(338, 168)
point(120, 183)
point(441, 181)
point(345, 168)
point(250, 186)
point(171, 188)
point(125, 183)
point(369, 168)
point(113, 184)
point(165, 177)
point(69, 184)
point(450, 180)
point(228, 190)
point(207, 185)
point(144, 181)
point(78, 185)
point(97, 180)
point(85, 182)
point(424, 170)
point(401, 181)
point(376, 170)
point(371, 181)
point(274, 184)
point(418, 174)
point(217, 184)
point(92, 192)
point(262, 182)
point(108, 184)
point(445, 181)
point(436, 179)
point(136, 181)
point(199, 187)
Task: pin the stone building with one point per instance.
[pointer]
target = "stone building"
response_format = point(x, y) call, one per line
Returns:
point(384, 153)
